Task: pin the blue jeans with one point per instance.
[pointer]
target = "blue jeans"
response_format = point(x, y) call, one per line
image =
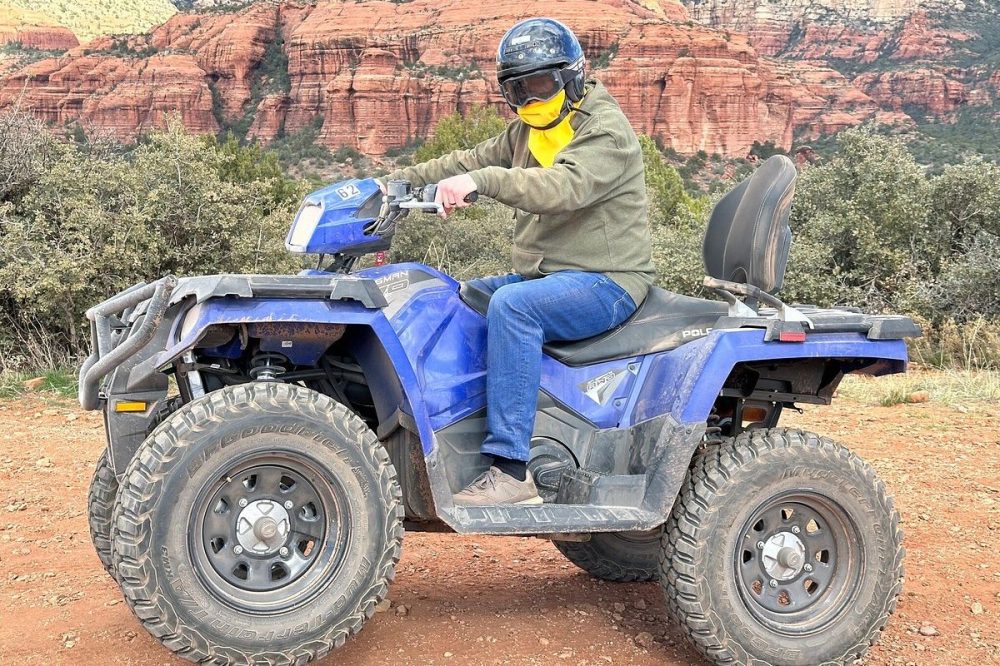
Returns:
point(524, 314)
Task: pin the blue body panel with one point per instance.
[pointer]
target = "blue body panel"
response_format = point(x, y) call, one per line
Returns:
point(346, 208)
point(437, 347)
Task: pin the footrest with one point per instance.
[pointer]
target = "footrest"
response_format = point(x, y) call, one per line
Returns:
point(583, 486)
point(549, 519)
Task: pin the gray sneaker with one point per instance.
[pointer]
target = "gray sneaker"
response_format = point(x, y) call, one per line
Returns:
point(495, 487)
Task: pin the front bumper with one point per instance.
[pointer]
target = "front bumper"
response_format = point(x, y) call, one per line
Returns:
point(112, 339)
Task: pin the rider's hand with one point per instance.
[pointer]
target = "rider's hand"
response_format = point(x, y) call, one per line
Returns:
point(451, 192)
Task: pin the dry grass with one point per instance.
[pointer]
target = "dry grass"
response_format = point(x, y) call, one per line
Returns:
point(955, 388)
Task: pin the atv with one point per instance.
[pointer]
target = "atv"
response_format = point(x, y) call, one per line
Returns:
point(270, 437)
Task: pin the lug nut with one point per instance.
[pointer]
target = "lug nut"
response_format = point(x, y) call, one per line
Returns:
point(760, 545)
point(795, 529)
point(288, 504)
point(773, 583)
point(808, 567)
point(238, 550)
point(283, 552)
point(243, 501)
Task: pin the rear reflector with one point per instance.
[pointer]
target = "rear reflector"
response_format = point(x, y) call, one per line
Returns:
point(792, 336)
point(129, 406)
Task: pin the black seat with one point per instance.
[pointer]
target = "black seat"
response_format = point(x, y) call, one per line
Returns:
point(663, 321)
point(747, 241)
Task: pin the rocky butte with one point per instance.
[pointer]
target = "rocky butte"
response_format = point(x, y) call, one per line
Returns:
point(907, 55)
point(377, 74)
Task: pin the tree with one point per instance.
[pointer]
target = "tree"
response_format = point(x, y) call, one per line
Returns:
point(664, 186)
point(457, 132)
point(860, 224)
point(96, 222)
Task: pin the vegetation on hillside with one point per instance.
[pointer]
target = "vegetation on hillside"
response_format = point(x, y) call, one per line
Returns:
point(91, 18)
point(80, 221)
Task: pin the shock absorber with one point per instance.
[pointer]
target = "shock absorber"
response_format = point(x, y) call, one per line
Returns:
point(267, 366)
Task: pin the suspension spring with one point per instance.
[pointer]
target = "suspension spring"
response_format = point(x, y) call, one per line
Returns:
point(267, 366)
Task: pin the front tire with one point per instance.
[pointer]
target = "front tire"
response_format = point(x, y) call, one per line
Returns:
point(618, 557)
point(100, 506)
point(783, 548)
point(259, 524)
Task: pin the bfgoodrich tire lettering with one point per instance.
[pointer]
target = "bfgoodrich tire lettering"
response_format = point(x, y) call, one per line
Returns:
point(707, 534)
point(163, 580)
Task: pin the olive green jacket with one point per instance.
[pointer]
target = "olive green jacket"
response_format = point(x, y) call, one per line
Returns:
point(587, 212)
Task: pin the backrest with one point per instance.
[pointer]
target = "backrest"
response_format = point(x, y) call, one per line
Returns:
point(748, 235)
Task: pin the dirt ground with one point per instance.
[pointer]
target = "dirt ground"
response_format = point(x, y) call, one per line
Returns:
point(478, 600)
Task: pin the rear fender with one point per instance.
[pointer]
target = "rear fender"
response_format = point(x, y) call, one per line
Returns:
point(687, 381)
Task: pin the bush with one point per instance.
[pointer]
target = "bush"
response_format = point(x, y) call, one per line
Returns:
point(472, 242)
point(26, 151)
point(457, 132)
point(97, 222)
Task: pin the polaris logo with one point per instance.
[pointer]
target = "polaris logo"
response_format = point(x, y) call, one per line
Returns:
point(696, 332)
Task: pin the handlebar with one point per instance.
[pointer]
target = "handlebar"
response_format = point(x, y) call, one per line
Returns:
point(400, 198)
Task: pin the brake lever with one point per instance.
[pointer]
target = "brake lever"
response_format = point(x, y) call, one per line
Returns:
point(427, 203)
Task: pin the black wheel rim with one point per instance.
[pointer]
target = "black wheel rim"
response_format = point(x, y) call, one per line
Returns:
point(270, 532)
point(798, 562)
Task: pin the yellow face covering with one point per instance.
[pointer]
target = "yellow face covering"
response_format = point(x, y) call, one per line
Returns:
point(546, 144)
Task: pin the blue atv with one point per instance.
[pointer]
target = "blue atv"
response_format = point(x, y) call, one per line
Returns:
point(270, 437)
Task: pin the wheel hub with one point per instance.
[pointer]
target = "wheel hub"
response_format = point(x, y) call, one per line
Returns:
point(783, 556)
point(262, 527)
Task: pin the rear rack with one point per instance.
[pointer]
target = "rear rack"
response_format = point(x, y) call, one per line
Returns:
point(780, 318)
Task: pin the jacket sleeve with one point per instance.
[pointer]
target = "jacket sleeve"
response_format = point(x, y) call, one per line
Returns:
point(585, 172)
point(495, 152)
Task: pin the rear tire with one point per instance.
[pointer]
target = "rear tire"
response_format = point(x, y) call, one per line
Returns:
point(619, 557)
point(100, 506)
point(783, 548)
point(259, 524)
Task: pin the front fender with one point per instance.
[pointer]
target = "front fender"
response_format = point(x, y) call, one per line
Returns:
point(299, 324)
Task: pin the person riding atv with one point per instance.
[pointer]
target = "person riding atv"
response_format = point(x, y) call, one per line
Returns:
point(571, 167)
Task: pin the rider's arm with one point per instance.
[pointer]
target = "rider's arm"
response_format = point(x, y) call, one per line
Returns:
point(585, 172)
point(492, 152)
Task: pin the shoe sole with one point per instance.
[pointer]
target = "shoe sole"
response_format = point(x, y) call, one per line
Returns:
point(533, 500)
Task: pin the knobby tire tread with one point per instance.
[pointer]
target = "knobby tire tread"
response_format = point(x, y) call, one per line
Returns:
point(587, 557)
point(100, 507)
point(132, 557)
point(710, 473)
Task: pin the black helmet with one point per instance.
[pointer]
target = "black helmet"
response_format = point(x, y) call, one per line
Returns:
point(543, 46)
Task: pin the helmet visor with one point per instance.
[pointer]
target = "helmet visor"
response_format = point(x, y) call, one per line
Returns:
point(534, 87)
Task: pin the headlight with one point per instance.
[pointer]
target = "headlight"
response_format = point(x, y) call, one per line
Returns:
point(304, 226)
point(190, 319)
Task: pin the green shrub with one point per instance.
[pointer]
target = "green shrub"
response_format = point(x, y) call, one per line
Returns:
point(297, 147)
point(472, 242)
point(456, 132)
point(95, 222)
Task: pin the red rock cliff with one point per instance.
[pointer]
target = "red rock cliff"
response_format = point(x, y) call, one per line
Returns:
point(381, 73)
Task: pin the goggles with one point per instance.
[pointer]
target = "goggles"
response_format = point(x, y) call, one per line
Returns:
point(534, 87)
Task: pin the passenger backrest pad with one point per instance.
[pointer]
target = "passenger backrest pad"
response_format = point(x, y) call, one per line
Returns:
point(748, 234)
